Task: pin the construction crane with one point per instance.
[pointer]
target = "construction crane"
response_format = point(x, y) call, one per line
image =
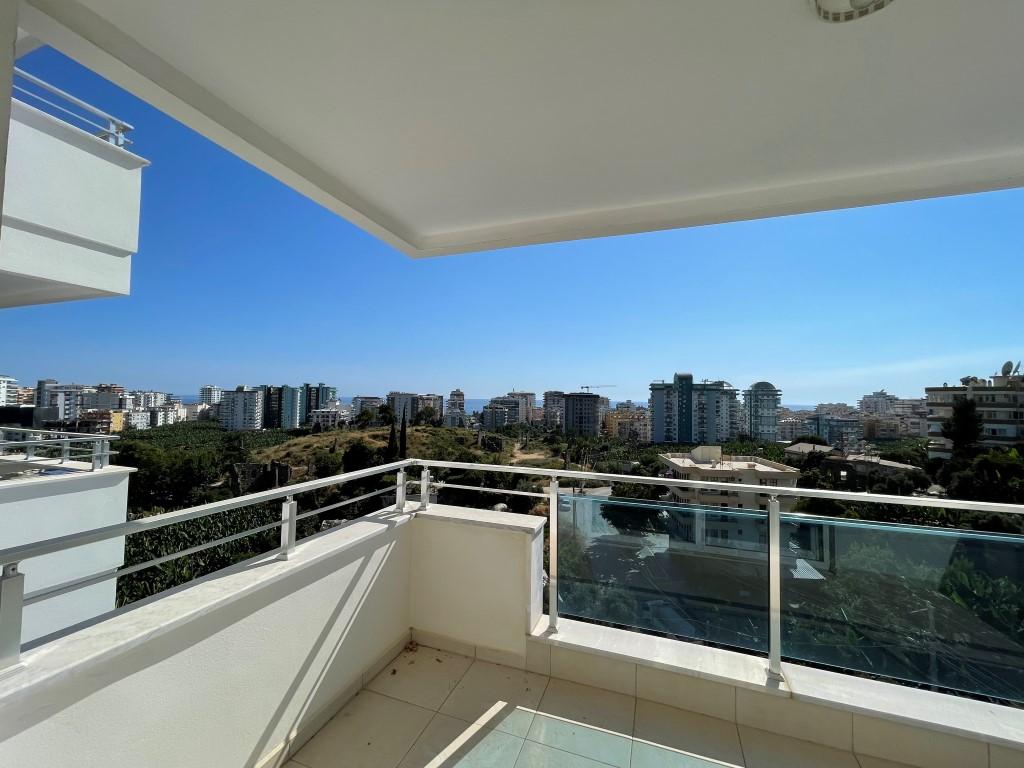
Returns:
point(588, 387)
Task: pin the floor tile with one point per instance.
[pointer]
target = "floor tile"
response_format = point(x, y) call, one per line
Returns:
point(448, 742)
point(423, 677)
point(370, 732)
point(689, 732)
point(768, 750)
point(486, 685)
point(649, 756)
point(541, 756)
point(591, 706)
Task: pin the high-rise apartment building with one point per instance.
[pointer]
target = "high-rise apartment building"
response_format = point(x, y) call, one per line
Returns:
point(582, 414)
point(843, 432)
point(316, 396)
point(527, 402)
point(241, 409)
point(879, 403)
point(510, 404)
point(403, 405)
point(493, 417)
point(554, 409)
point(210, 394)
point(689, 412)
point(456, 401)
point(761, 407)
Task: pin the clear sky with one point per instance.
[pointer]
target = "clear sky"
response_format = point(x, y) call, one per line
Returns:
point(238, 279)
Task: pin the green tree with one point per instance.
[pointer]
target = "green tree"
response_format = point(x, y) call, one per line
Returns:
point(812, 439)
point(392, 450)
point(964, 426)
point(403, 442)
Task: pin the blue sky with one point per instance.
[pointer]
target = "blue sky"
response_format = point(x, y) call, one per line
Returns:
point(238, 279)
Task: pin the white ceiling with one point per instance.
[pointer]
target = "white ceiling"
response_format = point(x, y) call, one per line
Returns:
point(454, 125)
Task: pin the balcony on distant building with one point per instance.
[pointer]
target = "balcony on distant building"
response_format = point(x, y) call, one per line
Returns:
point(71, 200)
point(595, 631)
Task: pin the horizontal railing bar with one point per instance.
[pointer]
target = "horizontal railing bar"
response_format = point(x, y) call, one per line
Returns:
point(536, 495)
point(73, 99)
point(353, 500)
point(34, 431)
point(59, 543)
point(71, 586)
point(767, 490)
point(54, 105)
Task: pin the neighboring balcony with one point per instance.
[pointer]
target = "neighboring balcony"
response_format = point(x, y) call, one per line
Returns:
point(71, 200)
point(418, 635)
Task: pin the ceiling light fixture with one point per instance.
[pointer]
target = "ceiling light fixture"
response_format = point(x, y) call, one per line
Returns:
point(847, 10)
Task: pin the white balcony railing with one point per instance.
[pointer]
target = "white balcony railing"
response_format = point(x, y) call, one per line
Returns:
point(741, 536)
point(39, 450)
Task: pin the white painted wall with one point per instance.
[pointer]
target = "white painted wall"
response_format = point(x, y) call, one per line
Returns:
point(223, 671)
point(70, 212)
point(42, 507)
point(477, 576)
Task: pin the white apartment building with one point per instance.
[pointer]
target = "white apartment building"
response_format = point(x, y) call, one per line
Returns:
point(197, 411)
point(148, 399)
point(706, 462)
point(527, 402)
point(210, 394)
point(330, 417)
point(241, 409)
point(137, 419)
point(8, 390)
point(1000, 403)
point(403, 405)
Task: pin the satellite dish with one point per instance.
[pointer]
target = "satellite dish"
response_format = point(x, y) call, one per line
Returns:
point(1016, 370)
point(1007, 367)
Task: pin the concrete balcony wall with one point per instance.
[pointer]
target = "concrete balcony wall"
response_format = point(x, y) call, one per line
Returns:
point(70, 213)
point(226, 671)
point(38, 507)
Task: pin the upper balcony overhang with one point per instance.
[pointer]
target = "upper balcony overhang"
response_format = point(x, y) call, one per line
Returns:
point(70, 213)
point(453, 127)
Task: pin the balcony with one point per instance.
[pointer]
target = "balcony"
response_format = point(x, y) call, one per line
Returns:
point(71, 200)
point(417, 634)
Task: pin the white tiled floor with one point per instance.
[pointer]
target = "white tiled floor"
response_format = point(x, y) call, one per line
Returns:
point(431, 709)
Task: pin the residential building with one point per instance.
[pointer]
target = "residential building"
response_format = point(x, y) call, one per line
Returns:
point(792, 428)
point(582, 414)
point(527, 402)
point(316, 396)
point(689, 412)
point(370, 403)
point(841, 410)
point(137, 419)
point(603, 406)
point(628, 422)
point(331, 416)
point(241, 409)
point(707, 463)
point(148, 399)
point(43, 386)
point(858, 470)
point(879, 403)
point(554, 409)
point(293, 404)
point(800, 451)
point(493, 417)
point(511, 405)
point(1000, 404)
point(403, 405)
point(8, 390)
point(26, 395)
point(456, 401)
point(210, 394)
point(843, 432)
point(198, 411)
point(435, 402)
point(761, 404)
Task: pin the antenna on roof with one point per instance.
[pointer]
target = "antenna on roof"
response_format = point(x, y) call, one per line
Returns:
point(1008, 367)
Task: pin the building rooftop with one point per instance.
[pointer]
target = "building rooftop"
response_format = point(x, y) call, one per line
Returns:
point(710, 459)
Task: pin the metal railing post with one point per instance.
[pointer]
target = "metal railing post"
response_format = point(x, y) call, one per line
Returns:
point(12, 594)
point(400, 491)
point(289, 509)
point(97, 454)
point(65, 450)
point(774, 590)
point(553, 556)
point(425, 488)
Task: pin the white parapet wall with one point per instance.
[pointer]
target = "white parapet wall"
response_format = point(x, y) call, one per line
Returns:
point(477, 577)
point(70, 212)
point(227, 671)
point(62, 501)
